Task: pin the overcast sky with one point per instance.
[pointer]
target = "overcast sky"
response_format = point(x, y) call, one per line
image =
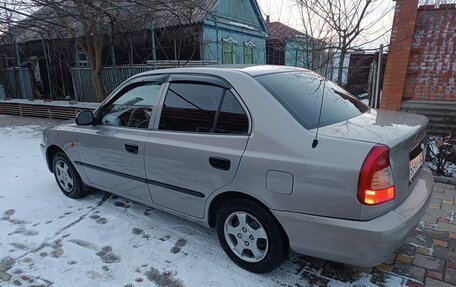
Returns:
point(287, 12)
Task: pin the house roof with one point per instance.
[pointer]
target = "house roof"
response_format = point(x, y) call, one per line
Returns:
point(280, 31)
point(68, 20)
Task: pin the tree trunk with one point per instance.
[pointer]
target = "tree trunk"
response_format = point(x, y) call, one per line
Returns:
point(99, 86)
point(93, 51)
point(97, 81)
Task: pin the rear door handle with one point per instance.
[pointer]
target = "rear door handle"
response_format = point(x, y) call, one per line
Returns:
point(131, 148)
point(220, 163)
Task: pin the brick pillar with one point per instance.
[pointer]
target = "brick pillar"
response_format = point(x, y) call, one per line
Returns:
point(398, 53)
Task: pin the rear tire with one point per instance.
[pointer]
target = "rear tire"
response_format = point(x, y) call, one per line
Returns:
point(67, 176)
point(250, 235)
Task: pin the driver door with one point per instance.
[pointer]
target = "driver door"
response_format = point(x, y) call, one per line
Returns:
point(112, 152)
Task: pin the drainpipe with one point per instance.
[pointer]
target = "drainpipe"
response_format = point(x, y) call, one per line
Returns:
point(113, 56)
point(217, 42)
point(79, 74)
point(21, 77)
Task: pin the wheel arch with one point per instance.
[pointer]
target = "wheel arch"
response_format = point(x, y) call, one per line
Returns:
point(50, 153)
point(218, 200)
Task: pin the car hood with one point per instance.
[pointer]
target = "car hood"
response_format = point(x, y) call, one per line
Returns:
point(61, 125)
point(378, 126)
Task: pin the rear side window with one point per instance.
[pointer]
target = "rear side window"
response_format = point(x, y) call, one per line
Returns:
point(203, 108)
point(190, 107)
point(300, 93)
point(232, 117)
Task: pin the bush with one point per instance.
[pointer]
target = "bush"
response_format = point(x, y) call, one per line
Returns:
point(441, 154)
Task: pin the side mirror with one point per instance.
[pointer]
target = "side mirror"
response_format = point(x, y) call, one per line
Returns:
point(85, 118)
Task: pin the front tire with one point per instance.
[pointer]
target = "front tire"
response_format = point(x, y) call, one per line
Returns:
point(67, 176)
point(250, 235)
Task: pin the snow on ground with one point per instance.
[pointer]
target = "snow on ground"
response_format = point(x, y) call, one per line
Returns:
point(104, 240)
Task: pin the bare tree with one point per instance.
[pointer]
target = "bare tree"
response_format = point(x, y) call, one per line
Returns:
point(91, 15)
point(81, 20)
point(319, 42)
point(95, 25)
point(341, 22)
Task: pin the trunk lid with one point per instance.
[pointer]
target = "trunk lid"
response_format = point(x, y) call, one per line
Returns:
point(403, 133)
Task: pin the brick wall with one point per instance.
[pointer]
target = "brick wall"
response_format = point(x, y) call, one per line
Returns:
point(398, 53)
point(432, 62)
point(421, 61)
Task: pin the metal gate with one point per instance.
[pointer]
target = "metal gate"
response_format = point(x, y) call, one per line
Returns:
point(16, 83)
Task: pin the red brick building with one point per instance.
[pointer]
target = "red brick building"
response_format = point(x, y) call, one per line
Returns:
point(421, 65)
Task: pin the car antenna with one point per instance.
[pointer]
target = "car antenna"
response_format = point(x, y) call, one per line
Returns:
point(315, 140)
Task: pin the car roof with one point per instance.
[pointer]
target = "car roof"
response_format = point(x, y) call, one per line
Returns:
point(252, 70)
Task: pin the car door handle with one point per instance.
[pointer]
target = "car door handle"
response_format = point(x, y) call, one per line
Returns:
point(131, 148)
point(220, 163)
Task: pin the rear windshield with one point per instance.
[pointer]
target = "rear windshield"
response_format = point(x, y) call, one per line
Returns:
point(300, 93)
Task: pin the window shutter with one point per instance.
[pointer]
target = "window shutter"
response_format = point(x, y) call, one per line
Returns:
point(229, 51)
point(248, 53)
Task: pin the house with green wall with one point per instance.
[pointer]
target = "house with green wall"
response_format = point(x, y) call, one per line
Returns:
point(290, 47)
point(135, 36)
point(235, 33)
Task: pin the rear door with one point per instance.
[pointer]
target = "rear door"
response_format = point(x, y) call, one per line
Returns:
point(196, 146)
point(112, 151)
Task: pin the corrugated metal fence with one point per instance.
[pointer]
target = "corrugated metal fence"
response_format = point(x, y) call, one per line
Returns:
point(113, 76)
point(441, 115)
point(11, 80)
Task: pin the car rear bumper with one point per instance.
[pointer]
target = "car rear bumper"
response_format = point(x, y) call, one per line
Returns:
point(361, 243)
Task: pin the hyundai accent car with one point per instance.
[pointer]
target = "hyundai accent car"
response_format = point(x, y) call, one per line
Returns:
point(275, 158)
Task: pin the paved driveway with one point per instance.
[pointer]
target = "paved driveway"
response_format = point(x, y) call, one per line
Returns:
point(47, 239)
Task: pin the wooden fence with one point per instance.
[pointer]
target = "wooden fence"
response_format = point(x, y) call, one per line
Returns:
point(38, 108)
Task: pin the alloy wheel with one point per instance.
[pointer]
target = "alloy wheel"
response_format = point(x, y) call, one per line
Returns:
point(64, 176)
point(246, 236)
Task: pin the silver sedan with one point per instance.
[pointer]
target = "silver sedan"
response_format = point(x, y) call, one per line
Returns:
point(273, 157)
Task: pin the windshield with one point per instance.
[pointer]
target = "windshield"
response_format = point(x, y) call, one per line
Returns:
point(300, 93)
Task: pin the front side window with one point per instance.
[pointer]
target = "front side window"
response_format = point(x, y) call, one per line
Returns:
point(301, 94)
point(133, 108)
point(190, 107)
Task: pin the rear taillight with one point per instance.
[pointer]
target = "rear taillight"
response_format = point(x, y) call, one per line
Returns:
point(376, 183)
